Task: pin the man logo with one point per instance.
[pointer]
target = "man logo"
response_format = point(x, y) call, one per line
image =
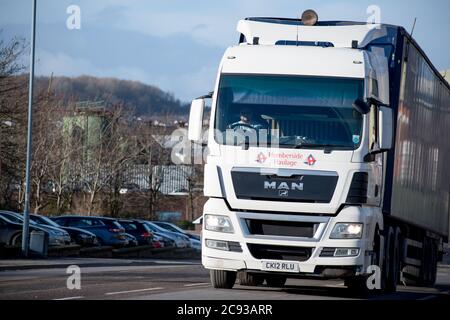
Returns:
point(283, 193)
point(283, 186)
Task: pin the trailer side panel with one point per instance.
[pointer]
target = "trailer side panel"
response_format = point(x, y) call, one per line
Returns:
point(421, 178)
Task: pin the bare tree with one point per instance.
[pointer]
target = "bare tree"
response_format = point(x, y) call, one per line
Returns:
point(152, 156)
point(13, 97)
point(64, 160)
point(193, 176)
point(104, 152)
point(122, 154)
point(45, 144)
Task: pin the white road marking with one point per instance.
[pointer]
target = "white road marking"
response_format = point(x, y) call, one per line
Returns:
point(70, 298)
point(197, 284)
point(337, 285)
point(132, 291)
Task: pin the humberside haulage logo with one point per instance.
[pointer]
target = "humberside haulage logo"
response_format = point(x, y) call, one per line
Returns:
point(310, 161)
point(261, 158)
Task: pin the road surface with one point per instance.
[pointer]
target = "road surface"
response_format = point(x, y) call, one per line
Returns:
point(180, 280)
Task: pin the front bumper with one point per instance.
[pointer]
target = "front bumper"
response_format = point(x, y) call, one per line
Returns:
point(313, 265)
point(59, 240)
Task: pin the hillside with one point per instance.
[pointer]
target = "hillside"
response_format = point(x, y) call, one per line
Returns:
point(147, 100)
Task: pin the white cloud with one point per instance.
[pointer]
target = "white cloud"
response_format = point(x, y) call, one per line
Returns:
point(61, 64)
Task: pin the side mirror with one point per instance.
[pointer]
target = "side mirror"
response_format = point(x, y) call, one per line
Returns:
point(361, 106)
point(196, 120)
point(386, 128)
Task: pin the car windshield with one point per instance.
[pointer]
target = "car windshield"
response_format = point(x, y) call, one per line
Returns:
point(16, 218)
point(44, 220)
point(167, 226)
point(290, 111)
point(85, 223)
point(12, 218)
point(154, 227)
point(117, 225)
point(129, 226)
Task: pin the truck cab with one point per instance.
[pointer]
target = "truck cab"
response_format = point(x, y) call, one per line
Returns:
point(301, 124)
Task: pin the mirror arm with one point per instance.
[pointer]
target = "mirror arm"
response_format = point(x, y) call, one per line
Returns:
point(206, 96)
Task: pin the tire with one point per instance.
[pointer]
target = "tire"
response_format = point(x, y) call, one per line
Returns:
point(434, 262)
point(424, 273)
point(424, 270)
point(16, 240)
point(387, 263)
point(221, 279)
point(276, 281)
point(358, 285)
point(429, 263)
point(250, 279)
point(394, 261)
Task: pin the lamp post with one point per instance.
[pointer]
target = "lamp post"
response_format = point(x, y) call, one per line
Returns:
point(26, 212)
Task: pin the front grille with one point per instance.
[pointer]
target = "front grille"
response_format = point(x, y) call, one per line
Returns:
point(281, 228)
point(305, 188)
point(262, 251)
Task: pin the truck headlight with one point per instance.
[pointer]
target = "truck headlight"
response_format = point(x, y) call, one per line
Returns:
point(217, 244)
point(347, 231)
point(218, 223)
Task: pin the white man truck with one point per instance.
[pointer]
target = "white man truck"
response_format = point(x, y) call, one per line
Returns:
point(328, 157)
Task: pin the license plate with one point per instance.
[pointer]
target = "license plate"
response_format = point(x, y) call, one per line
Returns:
point(282, 266)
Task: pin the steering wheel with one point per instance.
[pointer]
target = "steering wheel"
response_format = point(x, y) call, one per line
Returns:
point(234, 125)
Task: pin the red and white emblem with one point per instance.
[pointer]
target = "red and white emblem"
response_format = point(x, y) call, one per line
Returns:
point(310, 161)
point(261, 158)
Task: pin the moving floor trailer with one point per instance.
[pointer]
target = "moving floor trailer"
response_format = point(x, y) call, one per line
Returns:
point(328, 157)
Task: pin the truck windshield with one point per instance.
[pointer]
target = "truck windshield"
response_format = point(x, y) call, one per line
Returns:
point(289, 111)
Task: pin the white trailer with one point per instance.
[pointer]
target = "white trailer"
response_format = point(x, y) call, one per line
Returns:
point(327, 155)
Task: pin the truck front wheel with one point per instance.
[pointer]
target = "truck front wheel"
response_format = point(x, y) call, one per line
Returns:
point(393, 252)
point(222, 279)
point(358, 285)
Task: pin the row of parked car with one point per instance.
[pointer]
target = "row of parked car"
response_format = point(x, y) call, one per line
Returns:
point(89, 231)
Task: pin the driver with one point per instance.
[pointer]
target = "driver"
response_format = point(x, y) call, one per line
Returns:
point(248, 122)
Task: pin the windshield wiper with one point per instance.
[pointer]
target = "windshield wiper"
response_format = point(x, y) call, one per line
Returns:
point(326, 147)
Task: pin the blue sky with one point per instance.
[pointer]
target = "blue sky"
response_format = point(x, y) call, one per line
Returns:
point(177, 44)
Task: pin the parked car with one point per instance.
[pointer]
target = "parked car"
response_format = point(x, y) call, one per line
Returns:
point(165, 241)
point(158, 241)
point(132, 241)
point(57, 236)
point(79, 236)
point(108, 231)
point(11, 232)
point(181, 241)
point(139, 230)
point(193, 238)
point(196, 244)
point(174, 228)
